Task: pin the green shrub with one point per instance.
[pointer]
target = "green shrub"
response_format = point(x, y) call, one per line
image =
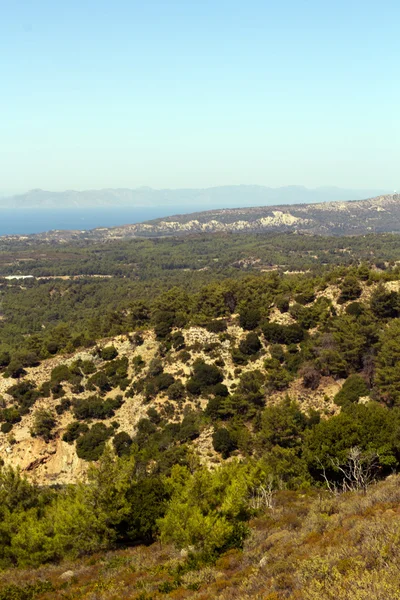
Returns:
point(223, 442)
point(217, 326)
point(238, 358)
point(6, 427)
point(90, 446)
point(189, 429)
point(282, 303)
point(25, 393)
point(64, 405)
point(249, 318)
point(43, 424)
point(385, 304)
point(10, 415)
point(277, 352)
point(250, 344)
point(282, 334)
point(74, 430)
point(353, 388)
point(109, 353)
point(350, 289)
point(177, 340)
point(305, 297)
point(100, 381)
point(60, 373)
point(5, 359)
point(122, 443)
point(88, 367)
point(204, 376)
point(176, 390)
point(95, 408)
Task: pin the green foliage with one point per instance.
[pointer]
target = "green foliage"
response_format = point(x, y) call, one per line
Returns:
point(6, 427)
point(370, 427)
point(60, 373)
point(100, 381)
point(282, 303)
point(353, 388)
point(109, 353)
point(388, 363)
point(5, 359)
point(355, 309)
point(204, 376)
point(10, 415)
point(250, 344)
point(24, 393)
point(74, 430)
point(88, 367)
point(305, 297)
point(217, 326)
point(282, 425)
point(90, 446)
point(206, 509)
point(282, 334)
point(176, 391)
point(95, 408)
point(249, 317)
point(223, 442)
point(278, 378)
point(385, 304)
point(122, 443)
point(350, 289)
point(43, 424)
point(25, 592)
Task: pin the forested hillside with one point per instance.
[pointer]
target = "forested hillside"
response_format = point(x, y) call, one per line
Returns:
point(238, 417)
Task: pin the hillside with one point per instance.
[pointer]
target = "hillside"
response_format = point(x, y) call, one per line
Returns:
point(148, 374)
point(226, 433)
point(306, 546)
point(375, 215)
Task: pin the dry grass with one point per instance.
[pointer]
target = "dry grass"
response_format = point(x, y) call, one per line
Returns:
point(310, 547)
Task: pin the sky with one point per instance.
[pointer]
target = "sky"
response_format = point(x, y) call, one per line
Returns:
point(189, 93)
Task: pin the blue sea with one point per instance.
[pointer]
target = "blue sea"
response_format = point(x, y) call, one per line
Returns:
point(37, 221)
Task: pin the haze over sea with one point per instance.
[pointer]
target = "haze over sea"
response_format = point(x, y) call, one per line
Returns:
point(21, 222)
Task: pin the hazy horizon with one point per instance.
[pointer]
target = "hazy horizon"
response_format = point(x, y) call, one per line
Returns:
point(4, 194)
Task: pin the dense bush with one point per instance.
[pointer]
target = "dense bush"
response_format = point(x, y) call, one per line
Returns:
point(223, 442)
point(204, 376)
point(250, 344)
point(74, 430)
point(282, 334)
point(43, 424)
point(249, 318)
point(122, 443)
point(109, 353)
point(350, 289)
point(385, 304)
point(25, 394)
point(95, 407)
point(217, 326)
point(353, 388)
point(90, 445)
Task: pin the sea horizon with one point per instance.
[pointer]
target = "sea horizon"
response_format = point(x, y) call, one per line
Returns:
point(31, 221)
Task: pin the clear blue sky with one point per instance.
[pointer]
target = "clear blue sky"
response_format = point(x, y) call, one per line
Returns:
point(199, 93)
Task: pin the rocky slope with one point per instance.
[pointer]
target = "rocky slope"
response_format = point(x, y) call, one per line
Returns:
point(375, 215)
point(56, 461)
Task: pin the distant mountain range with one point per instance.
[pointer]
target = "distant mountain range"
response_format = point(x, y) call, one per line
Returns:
point(375, 215)
point(197, 199)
